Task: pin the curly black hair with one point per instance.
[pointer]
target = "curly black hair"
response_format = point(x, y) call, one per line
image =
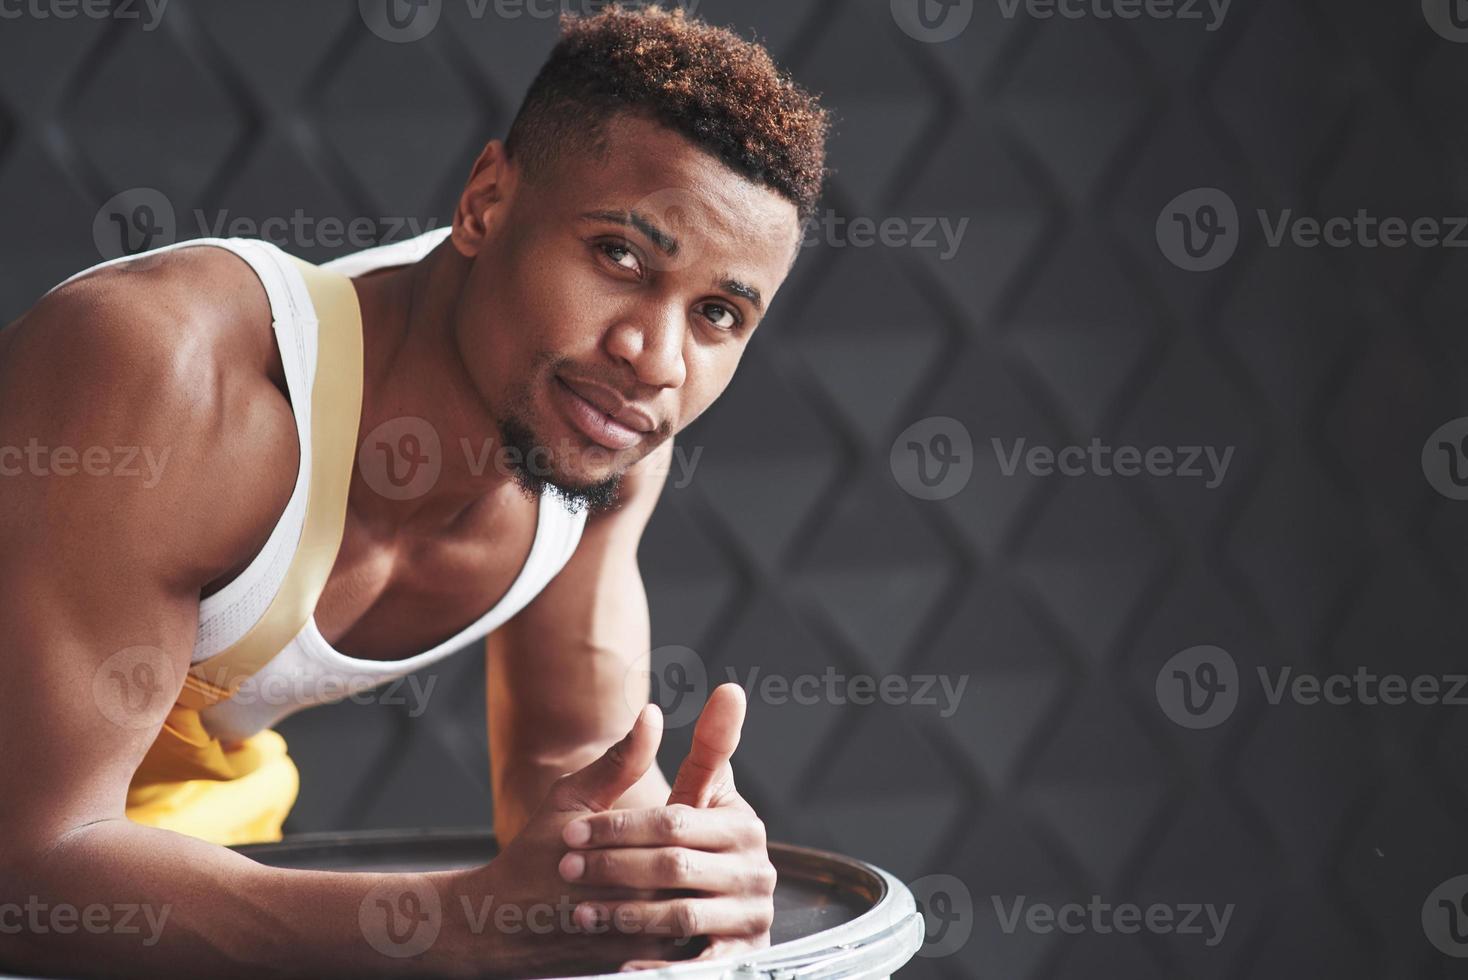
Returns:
point(718, 90)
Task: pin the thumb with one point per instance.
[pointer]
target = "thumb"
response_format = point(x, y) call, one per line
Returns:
point(600, 784)
point(715, 738)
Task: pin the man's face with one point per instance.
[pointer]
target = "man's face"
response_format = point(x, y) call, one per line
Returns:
point(611, 299)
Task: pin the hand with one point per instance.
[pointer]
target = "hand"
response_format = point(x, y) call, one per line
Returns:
point(551, 932)
point(707, 841)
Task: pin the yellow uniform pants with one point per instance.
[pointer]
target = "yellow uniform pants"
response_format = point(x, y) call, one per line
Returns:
point(193, 784)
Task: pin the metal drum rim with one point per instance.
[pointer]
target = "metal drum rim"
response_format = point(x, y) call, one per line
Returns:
point(891, 929)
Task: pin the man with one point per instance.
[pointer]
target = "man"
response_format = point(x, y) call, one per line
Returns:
point(606, 266)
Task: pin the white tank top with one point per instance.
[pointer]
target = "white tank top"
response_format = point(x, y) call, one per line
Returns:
point(308, 670)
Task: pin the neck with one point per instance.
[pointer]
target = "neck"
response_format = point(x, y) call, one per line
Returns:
point(420, 407)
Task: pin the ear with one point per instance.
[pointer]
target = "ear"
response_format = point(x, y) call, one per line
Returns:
point(483, 200)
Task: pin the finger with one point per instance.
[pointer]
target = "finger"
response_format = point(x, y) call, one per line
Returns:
point(722, 828)
point(714, 949)
point(592, 955)
point(679, 918)
point(670, 867)
point(710, 951)
point(599, 785)
point(715, 737)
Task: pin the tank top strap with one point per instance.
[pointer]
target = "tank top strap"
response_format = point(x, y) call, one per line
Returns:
point(336, 411)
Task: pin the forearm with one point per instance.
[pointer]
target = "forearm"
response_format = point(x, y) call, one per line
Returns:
point(117, 898)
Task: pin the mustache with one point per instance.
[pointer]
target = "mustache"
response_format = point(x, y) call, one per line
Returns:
point(617, 381)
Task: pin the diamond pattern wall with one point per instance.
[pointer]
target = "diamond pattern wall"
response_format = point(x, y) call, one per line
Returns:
point(1054, 143)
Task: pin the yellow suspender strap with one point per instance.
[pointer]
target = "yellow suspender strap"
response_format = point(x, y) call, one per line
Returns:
point(336, 410)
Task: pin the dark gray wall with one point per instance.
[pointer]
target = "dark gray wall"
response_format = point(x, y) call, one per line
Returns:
point(1060, 319)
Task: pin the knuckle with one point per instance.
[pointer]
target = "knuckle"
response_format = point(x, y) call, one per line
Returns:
point(617, 754)
point(678, 864)
point(765, 918)
point(599, 865)
point(766, 877)
point(686, 918)
point(615, 827)
point(675, 820)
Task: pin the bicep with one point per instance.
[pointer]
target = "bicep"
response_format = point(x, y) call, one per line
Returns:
point(99, 561)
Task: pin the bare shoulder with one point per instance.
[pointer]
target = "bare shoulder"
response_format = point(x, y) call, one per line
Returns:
point(145, 389)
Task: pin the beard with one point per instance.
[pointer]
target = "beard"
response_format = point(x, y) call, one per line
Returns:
point(535, 478)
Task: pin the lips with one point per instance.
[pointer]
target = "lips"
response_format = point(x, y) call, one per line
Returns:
point(612, 404)
point(594, 422)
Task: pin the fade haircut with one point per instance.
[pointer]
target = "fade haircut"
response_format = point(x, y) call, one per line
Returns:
point(722, 93)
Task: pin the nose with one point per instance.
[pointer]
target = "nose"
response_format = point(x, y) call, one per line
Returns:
point(651, 342)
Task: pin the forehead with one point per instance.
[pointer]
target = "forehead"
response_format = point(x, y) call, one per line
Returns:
point(646, 167)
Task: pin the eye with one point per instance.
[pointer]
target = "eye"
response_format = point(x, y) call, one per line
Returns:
point(621, 255)
point(721, 316)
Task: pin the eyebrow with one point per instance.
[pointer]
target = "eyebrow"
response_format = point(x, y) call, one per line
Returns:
point(665, 242)
point(668, 245)
point(745, 291)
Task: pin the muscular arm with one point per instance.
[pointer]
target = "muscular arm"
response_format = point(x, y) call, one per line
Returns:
point(93, 565)
point(557, 672)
